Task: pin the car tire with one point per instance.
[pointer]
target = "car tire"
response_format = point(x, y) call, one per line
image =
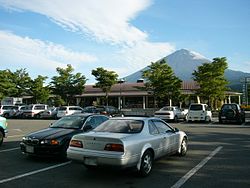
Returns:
point(146, 164)
point(183, 148)
point(1, 137)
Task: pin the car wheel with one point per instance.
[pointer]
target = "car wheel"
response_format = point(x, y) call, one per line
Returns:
point(146, 164)
point(1, 138)
point(183, 148)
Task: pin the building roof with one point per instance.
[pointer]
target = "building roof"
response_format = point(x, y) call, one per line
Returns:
point(132, 89)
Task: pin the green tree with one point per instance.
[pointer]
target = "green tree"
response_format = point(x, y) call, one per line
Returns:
point(211, 79)
point(161, 81)
point(14, 84)
point(105, 80)
point(23, 82)
point(67, 84)
point(40, 92)
point(7, 86)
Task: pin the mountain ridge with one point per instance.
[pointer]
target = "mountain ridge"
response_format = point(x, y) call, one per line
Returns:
point(184, 62)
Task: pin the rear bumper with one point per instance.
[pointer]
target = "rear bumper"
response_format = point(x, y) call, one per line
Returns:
point(101, 158)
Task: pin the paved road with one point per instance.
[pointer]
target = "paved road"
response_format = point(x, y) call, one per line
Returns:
point(218, 156)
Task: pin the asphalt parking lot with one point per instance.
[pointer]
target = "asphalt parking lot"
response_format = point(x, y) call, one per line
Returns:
point(218, 156)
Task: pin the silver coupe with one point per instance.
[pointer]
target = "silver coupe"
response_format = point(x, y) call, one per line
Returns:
point(127, 142)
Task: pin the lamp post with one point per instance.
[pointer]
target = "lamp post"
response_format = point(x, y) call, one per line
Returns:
point(120, 81)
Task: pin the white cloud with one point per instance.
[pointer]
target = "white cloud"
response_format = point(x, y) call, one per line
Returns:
point(24, 52)
point(106, 21)
point(142, 54)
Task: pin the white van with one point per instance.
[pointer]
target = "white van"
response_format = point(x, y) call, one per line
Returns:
point(68, 110)
point(33, 110)
point(199, 112)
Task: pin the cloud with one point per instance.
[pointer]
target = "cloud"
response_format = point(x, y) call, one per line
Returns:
point(106, 21)
point(142, 54)
point(24, 52)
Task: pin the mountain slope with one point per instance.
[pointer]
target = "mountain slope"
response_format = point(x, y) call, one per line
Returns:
point(184, 62)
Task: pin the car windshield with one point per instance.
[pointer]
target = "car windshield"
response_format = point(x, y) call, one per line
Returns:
point(69, 122)
point(120, 126)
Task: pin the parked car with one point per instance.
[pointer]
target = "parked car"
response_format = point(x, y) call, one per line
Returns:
point(3, 129)
point(199, 112)
point(50, 113)
point(5, 110)
point(127, 142)
point(231, 113)
point(171, 113)
point(54, 141)
point(17, 111)
point(33, 110)
point(106, 110)
point(68, 110)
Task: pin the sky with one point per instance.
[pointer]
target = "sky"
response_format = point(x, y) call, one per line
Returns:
point(119, 35)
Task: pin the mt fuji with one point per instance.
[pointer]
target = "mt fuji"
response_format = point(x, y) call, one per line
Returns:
point(184, 62)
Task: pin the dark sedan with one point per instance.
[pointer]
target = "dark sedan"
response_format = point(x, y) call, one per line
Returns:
point(54, 141)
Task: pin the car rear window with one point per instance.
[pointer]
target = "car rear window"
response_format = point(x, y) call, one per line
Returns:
point(62, 108)
point(121, 126)
point(196, 107)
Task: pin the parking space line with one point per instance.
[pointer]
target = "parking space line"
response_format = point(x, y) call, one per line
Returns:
point(13, 136)
point(1, 151)
point(196, 168)
point(34, 172)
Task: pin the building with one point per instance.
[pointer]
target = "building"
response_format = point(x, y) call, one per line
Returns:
point(128, 95)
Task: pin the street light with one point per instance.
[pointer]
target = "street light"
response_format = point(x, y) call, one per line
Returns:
point(120, 81)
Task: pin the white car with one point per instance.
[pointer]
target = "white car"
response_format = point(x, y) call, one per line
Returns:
point(171, 113)
point(33, 110)
point(199, 112)
point(68, 110)
point(127, 142)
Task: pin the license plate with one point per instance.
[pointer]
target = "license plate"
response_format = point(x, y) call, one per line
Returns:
point(90, 161)
point(29, 149)
point(223, 117)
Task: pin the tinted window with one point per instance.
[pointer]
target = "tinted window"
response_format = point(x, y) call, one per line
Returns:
point(121, 126)
point(62, 108)
point(196, 107)
point(7, 107)
point(40, 107)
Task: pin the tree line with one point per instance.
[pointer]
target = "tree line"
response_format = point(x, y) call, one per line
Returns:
point(160, 82)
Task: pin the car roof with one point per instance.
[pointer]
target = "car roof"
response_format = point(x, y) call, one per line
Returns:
point(86, 114)
point(134, 118)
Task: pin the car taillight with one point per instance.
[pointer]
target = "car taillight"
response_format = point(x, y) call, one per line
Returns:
point(114, 147)
point(54, 142)
point(76, 143)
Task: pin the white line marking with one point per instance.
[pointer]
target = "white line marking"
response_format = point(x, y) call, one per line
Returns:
point(196, 168)
point(19, 130)
point(13, 136)
point(1, 151)
point(34, 172)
